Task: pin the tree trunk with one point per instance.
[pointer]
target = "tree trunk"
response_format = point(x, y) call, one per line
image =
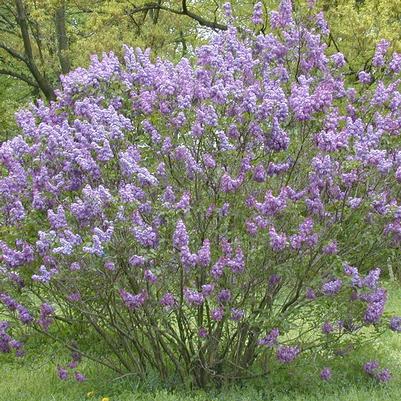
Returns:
point(62, 39)
point(42, 81)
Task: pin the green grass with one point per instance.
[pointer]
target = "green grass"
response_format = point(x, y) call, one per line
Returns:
point(34, 379)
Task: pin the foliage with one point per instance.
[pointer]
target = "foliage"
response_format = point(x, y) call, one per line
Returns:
point(357, 26)
point(203, 220)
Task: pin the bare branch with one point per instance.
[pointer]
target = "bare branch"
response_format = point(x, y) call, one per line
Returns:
point(185, 11)
point(12, 52)
point(20, 76)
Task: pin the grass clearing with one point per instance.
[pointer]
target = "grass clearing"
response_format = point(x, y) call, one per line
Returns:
point(34, 379)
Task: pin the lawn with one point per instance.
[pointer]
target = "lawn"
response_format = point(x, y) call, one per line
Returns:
point(34, 379)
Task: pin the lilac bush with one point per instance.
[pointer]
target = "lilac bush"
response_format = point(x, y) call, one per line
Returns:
point(212, 218)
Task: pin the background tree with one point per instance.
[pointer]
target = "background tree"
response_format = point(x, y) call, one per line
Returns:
point(39, 40)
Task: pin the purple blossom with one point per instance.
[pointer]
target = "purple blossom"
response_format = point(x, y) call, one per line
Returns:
point(204, 257)
point(149, 276)
point(79, 377)
point(325, 374)
point(237, 314)
point(331, 248)
point(381, 49)
point(109, 265)
point(75, 266)
point(133, 301)
point(271, 339)
point(327, 328)
point(203, 332)
point(383, 376)
point(193, 298)
point(278, 242)
point(395, 324)
point(168, 301)
point(207, 289)
point(257, 17)
point(62, 373)
point(364, 77)
point(136, 260)
point(180, 237)
point(310, 294)
point(237, 263)
point(274, 281)
point(217, 314)
point(370, 367)
point(228, 184)
point(374, 311)
point(332, 287)
point(74, 297)
point(286, 354)
point(372, 279)
point(259, 174)
point(224, 296)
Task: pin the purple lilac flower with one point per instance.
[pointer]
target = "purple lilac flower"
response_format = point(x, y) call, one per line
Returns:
point(74, 297)
point(75, 266)
point(79, 377)
point(193, 297)
point(136, 260)
point(338, 59)
point(184, 203)
point(371, 280)
point(278, 242)
point(325, 374)
point(133, 301)
point(331, 248)
point(310, 294)
point(168, 301)
point(46, 312)
point(395, 324)
point(204, 256)
point(109, 265)
point(327, 328)
point(237, 264)
point(274, 280)
point(207, 289)
point(370, 367)
point(24, 316)
point(237, 314)
point(209, 161)
point(180, 237)
point(224, 296)
point(148, 275)
point(259, 174)
point(271, 339)
point(257, 17)
point(72, 364)
point(364, 77)
point(383, 376)
point(217, 314)
point(286, 354)
point(332, 287)
point(62, 373)
point(203, 332)
point(381, 49)
point(374, 312)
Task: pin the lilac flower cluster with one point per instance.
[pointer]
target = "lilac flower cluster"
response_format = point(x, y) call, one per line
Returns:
point(206, 200)
point(7, 343)
point(372, 369)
